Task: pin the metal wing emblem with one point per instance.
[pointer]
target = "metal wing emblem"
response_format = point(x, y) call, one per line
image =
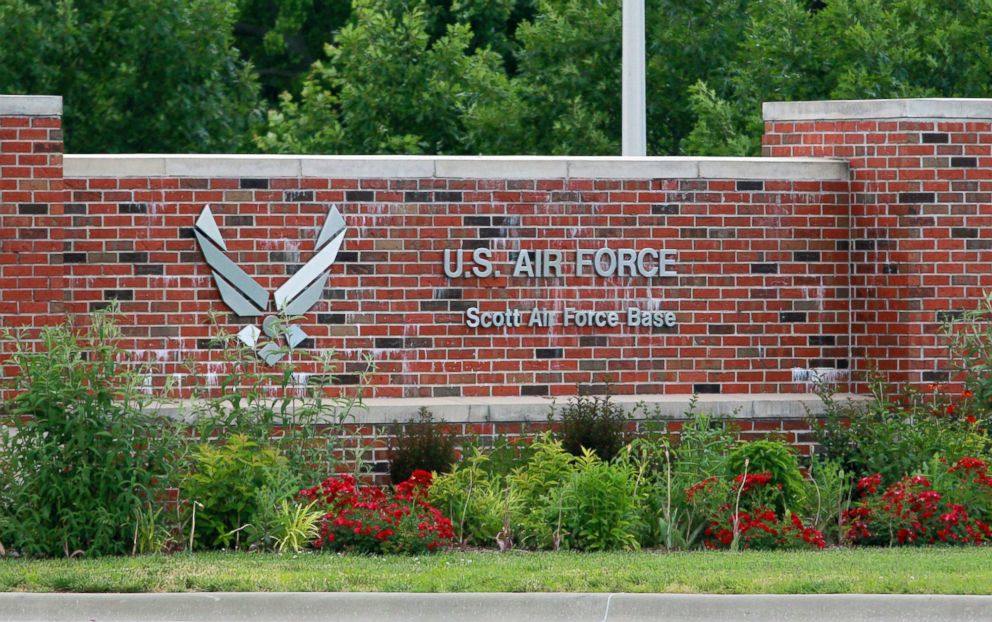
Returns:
point(246, 298)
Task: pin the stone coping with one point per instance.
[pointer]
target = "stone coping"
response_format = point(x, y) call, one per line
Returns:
point(855, 109)
point(30, 105)
point(518, 409)
point(451, 167)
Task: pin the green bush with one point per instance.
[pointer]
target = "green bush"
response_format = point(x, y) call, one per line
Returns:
point(477, 501)
point(84, 462)
point(598, 507)
point(230, 488)
point(595, 423)
point(895, 437)
point(420, 444)
point(777, 459)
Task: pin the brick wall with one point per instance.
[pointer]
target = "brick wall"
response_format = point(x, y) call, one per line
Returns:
point(31, 215)
point(921, 218)
point(760, 291)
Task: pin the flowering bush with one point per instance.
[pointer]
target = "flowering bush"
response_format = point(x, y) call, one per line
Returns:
point(915, 511)
point(742, 507)
point(370, 519)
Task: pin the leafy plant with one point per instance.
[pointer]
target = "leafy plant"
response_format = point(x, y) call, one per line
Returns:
point(294, 526)
point(420, 444)
point(778, 460)
point(894, 437)
point(475, 500)
point(369, 519)
point(83, 457)
point(599, 509)
point(595, 423)
point(224, 485)
point(307, 419)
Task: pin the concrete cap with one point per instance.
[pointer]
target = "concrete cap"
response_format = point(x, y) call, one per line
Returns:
point(449, 167)
point(517, 409)
point(30, 105)
point(852, 109)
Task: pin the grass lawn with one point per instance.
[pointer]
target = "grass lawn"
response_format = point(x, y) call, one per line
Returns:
point(893, 571)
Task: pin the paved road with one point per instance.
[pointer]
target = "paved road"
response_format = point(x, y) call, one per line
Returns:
point(389, 607)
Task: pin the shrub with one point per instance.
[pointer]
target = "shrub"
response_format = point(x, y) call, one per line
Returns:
point(84, 462)
point(777, 460)
point(916, 511)
point(369, 519)
point(894, 437)
point(739, 515)
point(594, 423)
point(533, 485)
point(231, 486)
point(305, 422)
point(420, 445)
point(598, 507)
point(477, 501)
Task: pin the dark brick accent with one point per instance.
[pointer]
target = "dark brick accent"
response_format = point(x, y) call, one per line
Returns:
point(792, 316)
point(936, 376)
point(822, 340)
point(254, 184)
point(806, 256)
point(75, 208)
point(134, 257)
point(890, 268)
point(186, 233)
point(206, 343)
point(330, 318)
point(864, 245)
point(474, 244)
point(446, 391)
point(74, 258)
point(549, 353)
point(32, 209)
point(949, 316)
point(492, 232)
point(534, 389)
point(720, 329)
point(297, 196)
point(978, 245)
point(448, 196)
point(359, 195)
point(477, 221)
point(347, 257)
point(449, 293)
point(916, 197)
point(964, 232)
point(667, 209)
point(764, 268)
point(149, 269)
point(750, 185)
point(416, 197)
point(705, 388)
point(388, 343)
point(961, 162)
point(936, 137)
point(346, 379)
point(133, 208)
point(118, 294)
point(239, 221)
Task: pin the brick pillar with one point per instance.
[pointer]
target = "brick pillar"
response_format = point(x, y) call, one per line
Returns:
point(32, 220)
point(921, 213)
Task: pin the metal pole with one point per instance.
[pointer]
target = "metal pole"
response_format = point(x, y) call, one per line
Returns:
point(634, 133)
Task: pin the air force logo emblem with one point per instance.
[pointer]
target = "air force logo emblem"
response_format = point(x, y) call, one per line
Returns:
point(246, 298)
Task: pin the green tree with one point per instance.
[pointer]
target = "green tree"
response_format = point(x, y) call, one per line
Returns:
point(386, 87)
point(282, 38)
point(136, 75)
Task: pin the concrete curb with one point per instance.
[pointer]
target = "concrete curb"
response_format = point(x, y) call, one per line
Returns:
point(404, 607)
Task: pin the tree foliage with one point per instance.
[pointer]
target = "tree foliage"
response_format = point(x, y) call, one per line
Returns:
point(469, 76)
point(135, 75)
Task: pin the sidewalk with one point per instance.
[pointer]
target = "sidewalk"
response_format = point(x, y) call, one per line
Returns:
point(406, 607)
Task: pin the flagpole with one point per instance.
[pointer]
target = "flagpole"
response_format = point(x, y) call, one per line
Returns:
point(634, 131)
